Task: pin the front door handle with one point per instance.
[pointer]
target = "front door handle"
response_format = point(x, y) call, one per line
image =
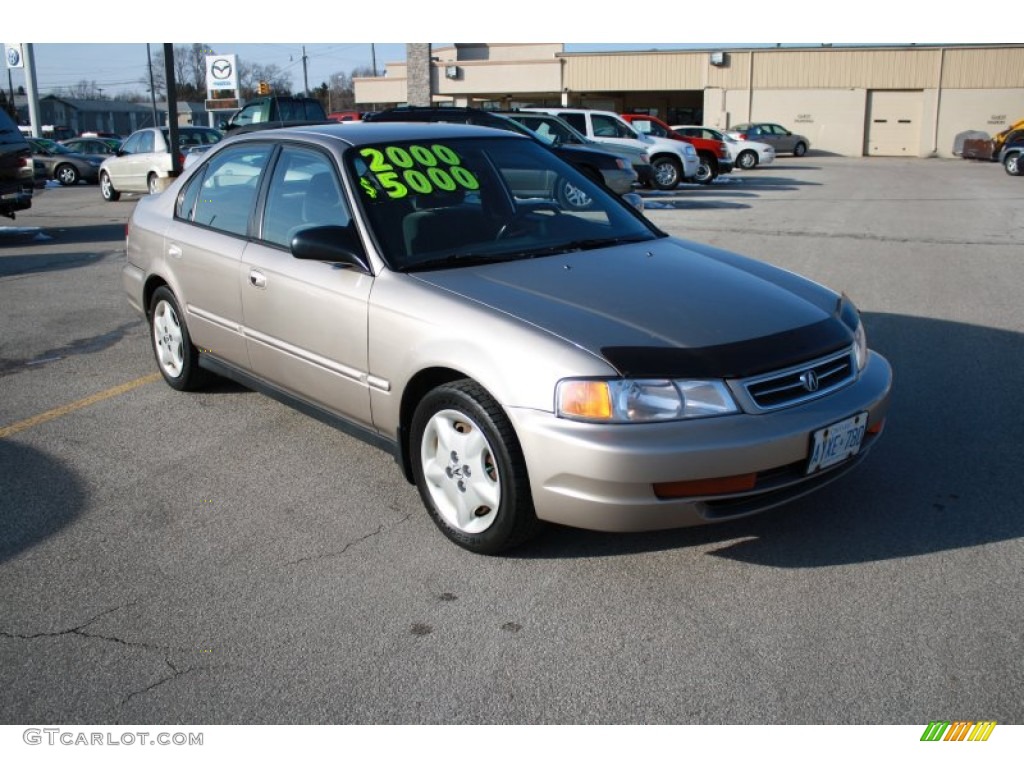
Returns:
point(257, 279)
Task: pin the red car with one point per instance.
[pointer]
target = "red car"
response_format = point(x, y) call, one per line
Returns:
point(714, 155)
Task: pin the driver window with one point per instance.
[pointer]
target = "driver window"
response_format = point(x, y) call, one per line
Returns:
point(304, 192)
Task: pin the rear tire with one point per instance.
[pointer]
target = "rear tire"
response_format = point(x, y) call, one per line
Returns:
point(176, 357)
point(151, 184)
point(747, 159)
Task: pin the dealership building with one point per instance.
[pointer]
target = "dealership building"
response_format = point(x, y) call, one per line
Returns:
point(884, 100)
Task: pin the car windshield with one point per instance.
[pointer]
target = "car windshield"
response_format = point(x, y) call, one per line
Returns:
point(450, 203)
point(551, 130)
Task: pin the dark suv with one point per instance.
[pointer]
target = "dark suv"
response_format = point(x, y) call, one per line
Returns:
point(16, 171)
point(275, 112)
point(606, 168)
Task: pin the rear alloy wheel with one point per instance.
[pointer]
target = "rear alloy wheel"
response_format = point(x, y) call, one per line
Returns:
point(1012, 164)
point(668, 172)
point(151, 184)
point(176, 357)
point(66, 174)
point(469, 469)
point(747, 159)
point(800, 150)
point(110, 194)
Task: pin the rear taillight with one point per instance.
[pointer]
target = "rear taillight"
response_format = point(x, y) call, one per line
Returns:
point(741, 136)
point(181, 160)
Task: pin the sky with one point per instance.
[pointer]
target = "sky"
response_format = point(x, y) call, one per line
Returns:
point(66, 50)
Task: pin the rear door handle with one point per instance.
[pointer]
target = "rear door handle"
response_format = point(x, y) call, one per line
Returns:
point(257, 279)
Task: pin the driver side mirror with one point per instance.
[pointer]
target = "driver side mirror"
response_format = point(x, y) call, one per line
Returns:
point(337, 244)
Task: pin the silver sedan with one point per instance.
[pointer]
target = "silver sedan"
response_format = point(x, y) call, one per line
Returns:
point(421, 287)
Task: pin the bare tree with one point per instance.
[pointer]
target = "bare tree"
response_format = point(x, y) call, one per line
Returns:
point(84, 89)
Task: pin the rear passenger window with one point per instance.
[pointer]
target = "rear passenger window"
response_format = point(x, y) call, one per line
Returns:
point(227, 194)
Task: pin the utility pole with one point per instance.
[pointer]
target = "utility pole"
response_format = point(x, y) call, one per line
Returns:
point(305, 74)
point(152, 87)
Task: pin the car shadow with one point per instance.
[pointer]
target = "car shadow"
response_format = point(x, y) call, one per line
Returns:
point(47, 262)
point(41, 496)
point(942, 477)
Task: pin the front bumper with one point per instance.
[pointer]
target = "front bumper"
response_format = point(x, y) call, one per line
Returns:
point(601, 477)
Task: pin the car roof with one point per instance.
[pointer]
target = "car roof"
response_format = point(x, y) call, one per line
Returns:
point(361, 134)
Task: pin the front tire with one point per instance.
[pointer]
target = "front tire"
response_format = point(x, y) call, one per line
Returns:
point(110, 194)
point(747, 159)
point(66, 174)
point(800, 150)
point(469, 469)
point(176, 357)
point(668, 172)
point(1012, 164)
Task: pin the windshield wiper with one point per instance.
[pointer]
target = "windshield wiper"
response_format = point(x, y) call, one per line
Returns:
point(587, 244)
point(453, 259)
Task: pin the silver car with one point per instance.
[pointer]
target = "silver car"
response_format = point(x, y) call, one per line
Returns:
point(780, 139)
point(421, 286)
point(143, 163)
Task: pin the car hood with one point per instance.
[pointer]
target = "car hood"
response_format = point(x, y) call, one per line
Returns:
point(666, 307)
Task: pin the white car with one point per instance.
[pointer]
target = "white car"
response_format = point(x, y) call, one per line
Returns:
point(144, 159)
point(673, 161)
point(745, 154)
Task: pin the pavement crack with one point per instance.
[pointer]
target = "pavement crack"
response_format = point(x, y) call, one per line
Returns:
point(174, 675)
point(340, 552)
point(72, 631)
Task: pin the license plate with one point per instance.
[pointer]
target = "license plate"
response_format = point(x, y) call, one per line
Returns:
point(837, 442)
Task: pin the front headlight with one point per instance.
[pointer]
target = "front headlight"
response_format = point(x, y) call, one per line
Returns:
point(641, 400)
point(850, 315)
point(860, 346)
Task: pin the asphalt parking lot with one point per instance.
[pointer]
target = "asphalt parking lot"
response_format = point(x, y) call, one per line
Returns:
point(220, 558)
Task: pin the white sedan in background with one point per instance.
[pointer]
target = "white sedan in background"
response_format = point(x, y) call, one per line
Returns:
point(745, 154)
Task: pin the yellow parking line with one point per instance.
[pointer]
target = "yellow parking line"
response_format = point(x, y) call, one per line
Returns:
point(63, 410)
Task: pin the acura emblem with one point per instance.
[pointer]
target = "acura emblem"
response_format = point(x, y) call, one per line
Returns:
point(810, 381)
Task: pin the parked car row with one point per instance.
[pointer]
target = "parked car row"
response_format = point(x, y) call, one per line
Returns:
point(62, 164)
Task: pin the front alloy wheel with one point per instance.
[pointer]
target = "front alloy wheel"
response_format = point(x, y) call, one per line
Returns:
point(469, 469)
point(668, 172)
point(67, 175)
point(110, 194)
point(705, 172)
point(1012, 164)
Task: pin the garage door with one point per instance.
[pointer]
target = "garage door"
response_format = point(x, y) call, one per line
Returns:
point(894, 123)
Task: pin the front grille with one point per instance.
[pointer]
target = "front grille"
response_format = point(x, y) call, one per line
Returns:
point(801, 383)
